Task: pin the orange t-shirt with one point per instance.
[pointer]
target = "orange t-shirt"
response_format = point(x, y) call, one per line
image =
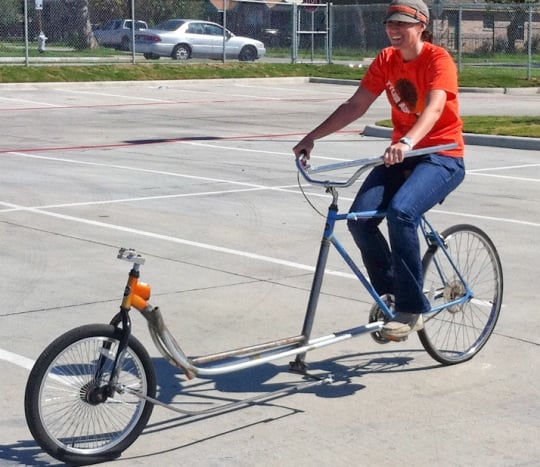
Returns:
point(407, 85)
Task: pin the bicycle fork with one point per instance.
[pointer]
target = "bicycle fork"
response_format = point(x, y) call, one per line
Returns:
point(134, 291)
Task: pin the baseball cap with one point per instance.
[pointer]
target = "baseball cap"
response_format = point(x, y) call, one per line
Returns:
point(407, 11)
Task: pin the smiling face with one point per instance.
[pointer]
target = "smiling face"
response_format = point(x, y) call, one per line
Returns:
point(407, 37)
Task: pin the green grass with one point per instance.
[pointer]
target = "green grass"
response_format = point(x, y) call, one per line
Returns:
point(503, 126)
point(471, 76)
point(166, 71)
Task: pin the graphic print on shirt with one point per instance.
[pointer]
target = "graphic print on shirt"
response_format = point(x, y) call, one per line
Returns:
point(404, 95)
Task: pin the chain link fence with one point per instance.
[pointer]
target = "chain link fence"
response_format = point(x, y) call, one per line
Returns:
point(101, 31)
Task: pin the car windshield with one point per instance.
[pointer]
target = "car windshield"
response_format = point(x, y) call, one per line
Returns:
point(170, 25)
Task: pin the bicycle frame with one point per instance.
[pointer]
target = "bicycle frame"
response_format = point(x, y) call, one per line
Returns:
point(137, 294)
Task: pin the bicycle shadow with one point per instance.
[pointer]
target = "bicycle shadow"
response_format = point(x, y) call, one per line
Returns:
point(25, 452)
point(171, 380)
point(224, 389)
point(346, 370)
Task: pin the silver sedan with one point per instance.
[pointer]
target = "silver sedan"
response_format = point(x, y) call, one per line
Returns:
point(182, 39)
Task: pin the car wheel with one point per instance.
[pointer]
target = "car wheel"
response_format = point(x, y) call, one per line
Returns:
point(181, 52)
point(151, 56)
point(248, 54)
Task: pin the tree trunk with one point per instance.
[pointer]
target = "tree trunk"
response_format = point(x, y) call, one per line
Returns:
point(85, 36)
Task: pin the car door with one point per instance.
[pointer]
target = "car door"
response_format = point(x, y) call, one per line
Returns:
point(201, 45)
point(111, 32)
point(214, 33)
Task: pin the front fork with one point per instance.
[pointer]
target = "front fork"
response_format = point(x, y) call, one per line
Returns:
point(121, 321)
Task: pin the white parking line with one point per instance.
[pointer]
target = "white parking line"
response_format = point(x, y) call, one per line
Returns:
point(105, 94)
point(16, 359)
point(181, 241)
point(28, 102)
point(508, 167)
point(250, 185)
point(152, 198)
point(507, 177)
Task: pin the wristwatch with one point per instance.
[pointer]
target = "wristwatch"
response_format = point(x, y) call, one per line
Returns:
point(408, 141)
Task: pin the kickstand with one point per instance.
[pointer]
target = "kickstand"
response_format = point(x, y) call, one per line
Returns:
point(301, 367)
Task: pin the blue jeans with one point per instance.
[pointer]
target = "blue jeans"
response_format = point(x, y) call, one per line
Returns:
point(405, 191)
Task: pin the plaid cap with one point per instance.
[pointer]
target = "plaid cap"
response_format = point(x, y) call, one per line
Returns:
point(407, 11)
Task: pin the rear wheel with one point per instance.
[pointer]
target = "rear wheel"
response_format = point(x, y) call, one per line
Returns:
point(66, 408)
point(458, 332)
point(181, 52)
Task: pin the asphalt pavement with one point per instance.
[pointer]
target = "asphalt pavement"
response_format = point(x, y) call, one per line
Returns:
point(199, 177)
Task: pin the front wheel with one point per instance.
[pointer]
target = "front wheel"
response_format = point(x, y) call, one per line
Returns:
point(248, 54)
point(457, 332)
point(65, 406)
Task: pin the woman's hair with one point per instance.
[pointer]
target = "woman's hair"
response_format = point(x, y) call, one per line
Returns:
point(427, 36)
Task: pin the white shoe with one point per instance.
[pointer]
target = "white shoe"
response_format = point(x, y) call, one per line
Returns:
point(402, 325)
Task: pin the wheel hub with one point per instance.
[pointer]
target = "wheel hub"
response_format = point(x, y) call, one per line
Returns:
point(94, 394)
point(454, 291)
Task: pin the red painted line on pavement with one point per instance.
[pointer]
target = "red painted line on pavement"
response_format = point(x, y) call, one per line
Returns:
point(144, 104)
point(187, 139)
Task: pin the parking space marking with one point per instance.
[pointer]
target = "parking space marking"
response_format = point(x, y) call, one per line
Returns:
point(16, 359)
point(140, 169)
point(508, 167)
point(487, 218)
point(105, 94)
point(507, 177)
point(182, 241)
point(286, 188)
point(26, 101)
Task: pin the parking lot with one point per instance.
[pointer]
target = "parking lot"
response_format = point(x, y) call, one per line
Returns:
point(199, 177)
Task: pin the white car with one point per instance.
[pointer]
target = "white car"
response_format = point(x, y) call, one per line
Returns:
point(182, 39)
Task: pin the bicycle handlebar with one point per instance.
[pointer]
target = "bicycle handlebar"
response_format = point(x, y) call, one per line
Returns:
point(365, 164)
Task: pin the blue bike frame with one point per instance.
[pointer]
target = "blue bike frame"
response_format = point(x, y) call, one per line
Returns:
point(247, 357)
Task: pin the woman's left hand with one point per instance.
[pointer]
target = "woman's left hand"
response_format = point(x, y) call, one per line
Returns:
point(395, 154)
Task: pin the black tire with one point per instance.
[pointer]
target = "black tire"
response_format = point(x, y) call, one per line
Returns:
point(63, 419)
point(151, 56)
point(181, 52)
point(248, 54)
point(457, 333)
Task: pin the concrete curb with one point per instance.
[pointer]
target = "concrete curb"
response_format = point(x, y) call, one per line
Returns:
point(514, 142)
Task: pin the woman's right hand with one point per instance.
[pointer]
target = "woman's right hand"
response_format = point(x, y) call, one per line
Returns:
point(304, 147)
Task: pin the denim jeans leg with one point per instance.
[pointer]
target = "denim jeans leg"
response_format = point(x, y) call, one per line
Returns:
point(375, 194)
point(432, 179)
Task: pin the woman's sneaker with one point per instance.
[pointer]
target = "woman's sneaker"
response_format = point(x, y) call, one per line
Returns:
point(402, 325)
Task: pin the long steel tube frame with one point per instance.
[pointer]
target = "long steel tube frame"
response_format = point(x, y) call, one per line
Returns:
point(251, 356)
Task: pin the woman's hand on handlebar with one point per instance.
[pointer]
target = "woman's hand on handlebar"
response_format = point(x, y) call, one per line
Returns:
point(303, 149)
point(395, 153)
